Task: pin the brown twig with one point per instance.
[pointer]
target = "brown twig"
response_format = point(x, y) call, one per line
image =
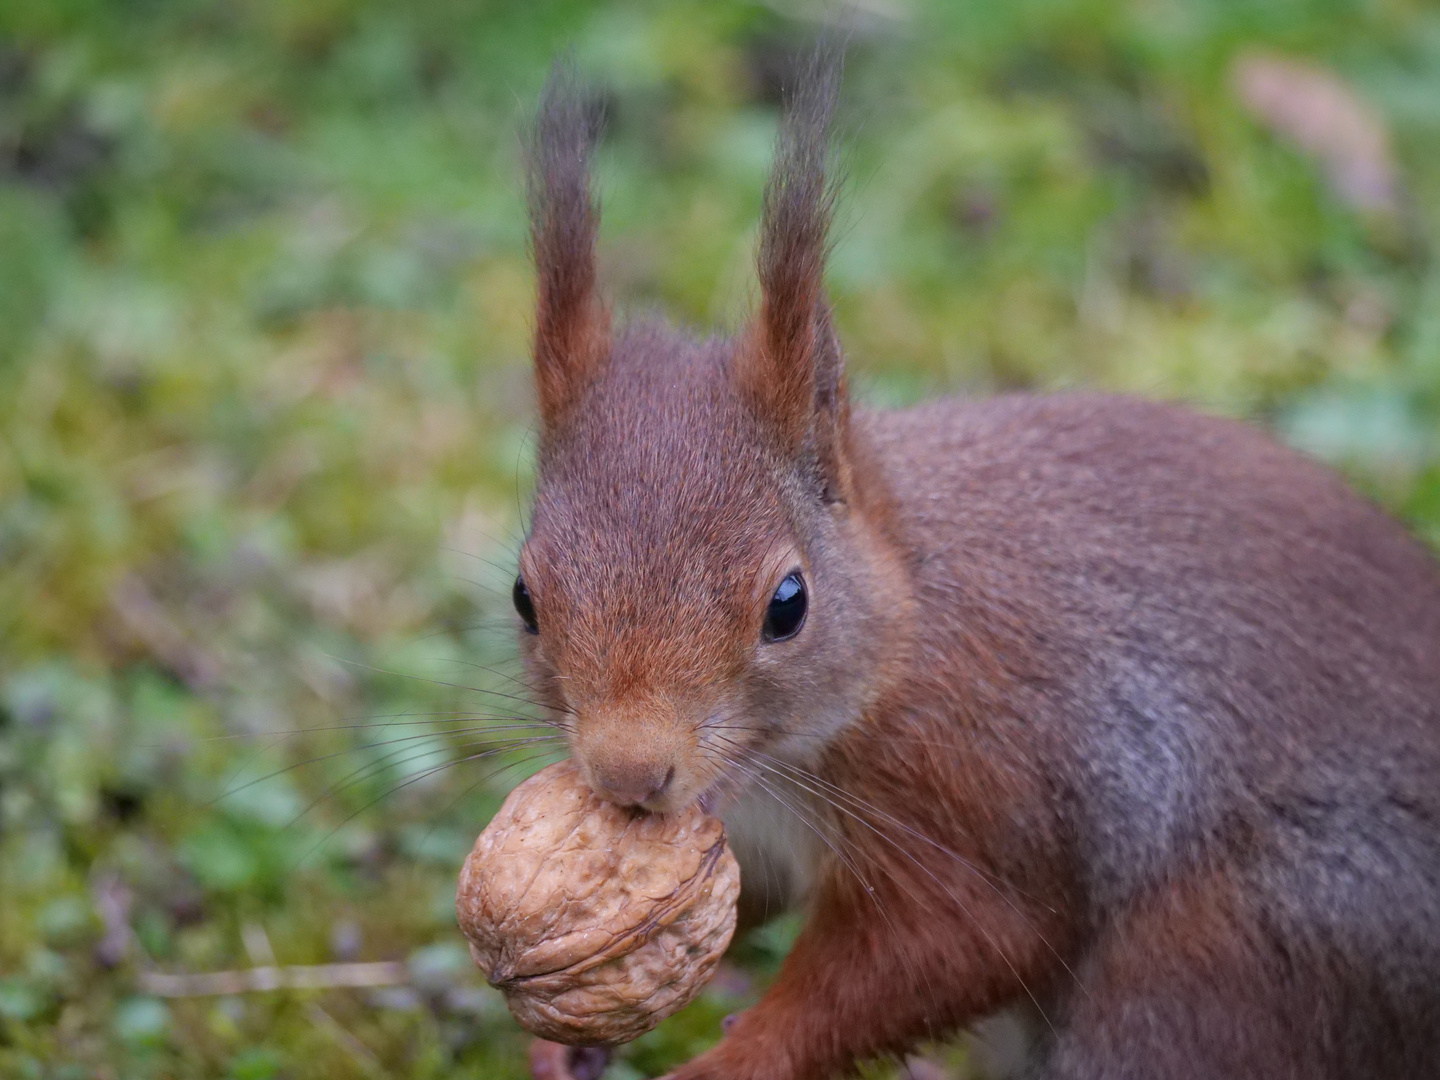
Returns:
point(274, 977)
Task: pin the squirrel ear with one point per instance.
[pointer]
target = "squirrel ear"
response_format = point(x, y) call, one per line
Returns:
point(790, 365)
point(572, 327)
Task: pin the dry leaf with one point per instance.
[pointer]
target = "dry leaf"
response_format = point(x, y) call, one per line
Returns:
point(1315, 111)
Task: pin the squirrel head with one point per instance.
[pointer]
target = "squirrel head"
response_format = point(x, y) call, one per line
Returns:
point(702, 590)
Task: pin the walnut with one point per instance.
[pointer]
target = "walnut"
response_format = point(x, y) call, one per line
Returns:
point(596, 921)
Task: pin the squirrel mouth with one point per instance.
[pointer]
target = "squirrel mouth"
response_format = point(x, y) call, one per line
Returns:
point(722, 793)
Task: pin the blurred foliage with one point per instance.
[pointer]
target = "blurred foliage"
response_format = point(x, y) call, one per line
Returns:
point(264, 402)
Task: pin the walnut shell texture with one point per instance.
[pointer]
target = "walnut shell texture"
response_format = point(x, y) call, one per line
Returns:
point(596, 921)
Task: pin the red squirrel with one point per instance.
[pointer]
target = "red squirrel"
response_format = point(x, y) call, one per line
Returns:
point(1101, 707)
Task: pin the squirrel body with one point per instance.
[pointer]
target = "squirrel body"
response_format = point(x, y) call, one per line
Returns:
point(1094, 705)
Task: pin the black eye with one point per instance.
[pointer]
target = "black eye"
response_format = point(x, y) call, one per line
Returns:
point(524, 605)
point(786, 613)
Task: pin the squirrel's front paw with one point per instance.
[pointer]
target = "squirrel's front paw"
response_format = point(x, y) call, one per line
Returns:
point(738, 1060)
point(552, 1061)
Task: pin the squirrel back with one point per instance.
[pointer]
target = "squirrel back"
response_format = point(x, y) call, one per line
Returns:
point(1204, 634)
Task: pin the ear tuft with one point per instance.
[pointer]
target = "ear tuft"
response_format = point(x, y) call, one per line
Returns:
point(572, 327)
point(791, 367)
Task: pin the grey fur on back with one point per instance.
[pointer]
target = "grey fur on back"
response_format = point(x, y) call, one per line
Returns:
point(1237, 662)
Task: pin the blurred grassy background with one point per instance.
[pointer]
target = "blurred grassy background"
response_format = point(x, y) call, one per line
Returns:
point(264, 410)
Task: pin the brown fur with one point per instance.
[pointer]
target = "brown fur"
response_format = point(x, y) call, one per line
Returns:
point(1100, 706)
point(572, 327)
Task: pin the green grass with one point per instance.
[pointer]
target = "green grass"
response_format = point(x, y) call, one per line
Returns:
point(265, 436)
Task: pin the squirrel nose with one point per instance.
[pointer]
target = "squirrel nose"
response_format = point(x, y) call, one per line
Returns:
point(632, 783)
